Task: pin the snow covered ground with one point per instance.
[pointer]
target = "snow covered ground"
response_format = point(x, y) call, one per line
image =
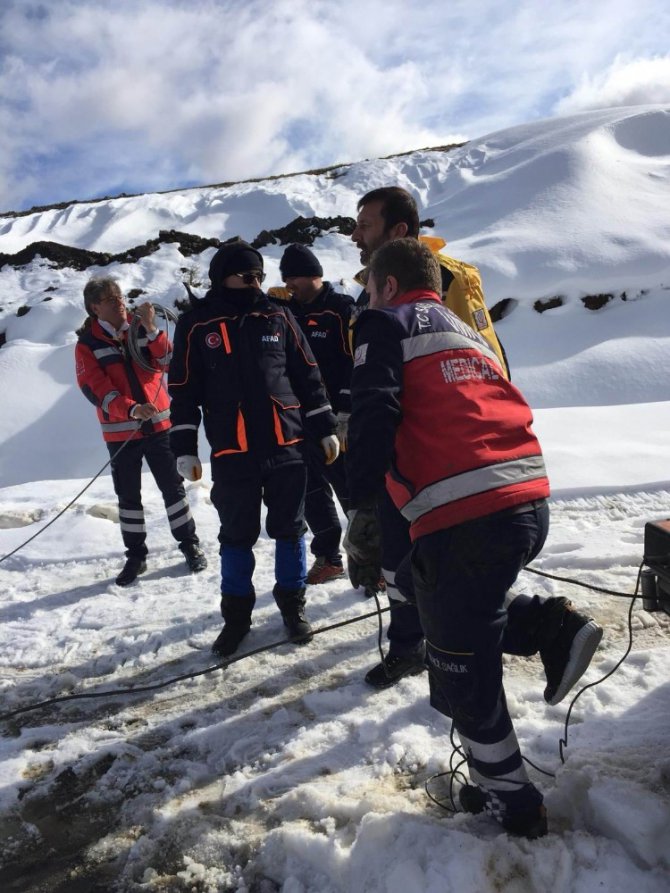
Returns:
point(284, 771)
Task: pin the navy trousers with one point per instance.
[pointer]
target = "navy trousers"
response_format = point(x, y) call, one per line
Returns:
point(461, 577)
point(237, 498)
point(126, 467)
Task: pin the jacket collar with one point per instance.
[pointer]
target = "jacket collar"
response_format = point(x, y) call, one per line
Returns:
point(416, 294)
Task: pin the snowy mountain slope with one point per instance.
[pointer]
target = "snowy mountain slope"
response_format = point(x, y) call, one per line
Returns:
point(571, 207)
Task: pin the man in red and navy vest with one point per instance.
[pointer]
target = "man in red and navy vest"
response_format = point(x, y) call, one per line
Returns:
point(134, 413)
point(435, 419)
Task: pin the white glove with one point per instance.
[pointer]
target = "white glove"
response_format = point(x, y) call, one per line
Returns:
point(331, 447)
point(342, 429)
point(189, 467)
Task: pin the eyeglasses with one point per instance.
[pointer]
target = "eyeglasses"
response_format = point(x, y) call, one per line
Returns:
point(251, 277)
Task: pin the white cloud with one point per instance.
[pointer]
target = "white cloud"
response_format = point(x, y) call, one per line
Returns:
point(118, 95)
point(625, 82)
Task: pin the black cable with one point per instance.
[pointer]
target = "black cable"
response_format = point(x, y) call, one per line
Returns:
point(194, 675)
point(563, 742)
point(532, 570)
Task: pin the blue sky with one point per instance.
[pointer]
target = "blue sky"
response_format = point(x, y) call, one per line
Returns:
point(100, 97)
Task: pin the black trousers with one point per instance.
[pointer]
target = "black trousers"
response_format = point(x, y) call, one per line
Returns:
point(127, 478)
point(320, 510)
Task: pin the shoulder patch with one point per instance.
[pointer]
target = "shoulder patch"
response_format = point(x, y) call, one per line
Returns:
point(360, 355)
point(479, 317)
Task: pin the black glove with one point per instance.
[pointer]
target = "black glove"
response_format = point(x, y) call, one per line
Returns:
point(362, 543)
point(366, 575)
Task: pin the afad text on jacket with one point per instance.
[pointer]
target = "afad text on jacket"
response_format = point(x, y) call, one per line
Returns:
point(243, 366)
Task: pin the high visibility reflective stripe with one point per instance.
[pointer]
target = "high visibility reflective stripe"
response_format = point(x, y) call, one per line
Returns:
point(325, 408)
point(102, 352)
point(469, 483)
point(494, 754)
point(133, 528)
point(130, 425)
point(180, 521)
point(433, 342)
point(392, 592)
point(107, 399)
point(131, 513)
point(183, 428)
point(177, 507)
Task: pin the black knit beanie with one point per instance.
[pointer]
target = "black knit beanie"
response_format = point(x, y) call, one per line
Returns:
point(298, 260)
point(235, 257)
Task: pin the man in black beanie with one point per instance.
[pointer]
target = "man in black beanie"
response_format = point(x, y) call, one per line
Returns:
point(323, 316)
point(243, 367)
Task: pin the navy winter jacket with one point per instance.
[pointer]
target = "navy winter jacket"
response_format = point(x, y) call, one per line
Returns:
point(325, 323)
point(242, 365)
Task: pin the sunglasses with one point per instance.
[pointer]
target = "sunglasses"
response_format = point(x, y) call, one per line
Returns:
point(251, 277)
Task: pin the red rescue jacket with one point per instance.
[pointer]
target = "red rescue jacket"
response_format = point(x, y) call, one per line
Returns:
point(114, 382)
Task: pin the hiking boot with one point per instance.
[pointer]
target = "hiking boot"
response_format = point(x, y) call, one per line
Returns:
point(195, 557)
point(530, 823)
point(393, 668)
point(133, 567)
point(297, 625)
point(567, 649)
point(322, 571)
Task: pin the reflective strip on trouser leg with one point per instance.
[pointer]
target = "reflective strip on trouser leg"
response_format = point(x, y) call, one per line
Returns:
point(392, 591)
point(181, 520)
point(496, 766)
point(404, 633)
point(133, 528)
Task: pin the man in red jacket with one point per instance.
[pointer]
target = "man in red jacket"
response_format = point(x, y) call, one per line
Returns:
point(435, 419)
point(134, 412)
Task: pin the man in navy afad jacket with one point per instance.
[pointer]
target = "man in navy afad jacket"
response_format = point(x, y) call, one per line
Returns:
point(323, 315)
point(242, 365)
point(436, 421)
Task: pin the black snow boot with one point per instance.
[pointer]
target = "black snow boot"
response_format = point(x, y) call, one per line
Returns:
point(134, 566)
point(195, 557)
point(236, 612)
point(291, 603)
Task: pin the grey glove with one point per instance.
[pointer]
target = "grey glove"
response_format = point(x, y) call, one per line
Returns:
point(362, 543)
point(343, 429)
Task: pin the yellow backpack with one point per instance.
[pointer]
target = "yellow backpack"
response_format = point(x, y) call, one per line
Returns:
point(463, 295)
